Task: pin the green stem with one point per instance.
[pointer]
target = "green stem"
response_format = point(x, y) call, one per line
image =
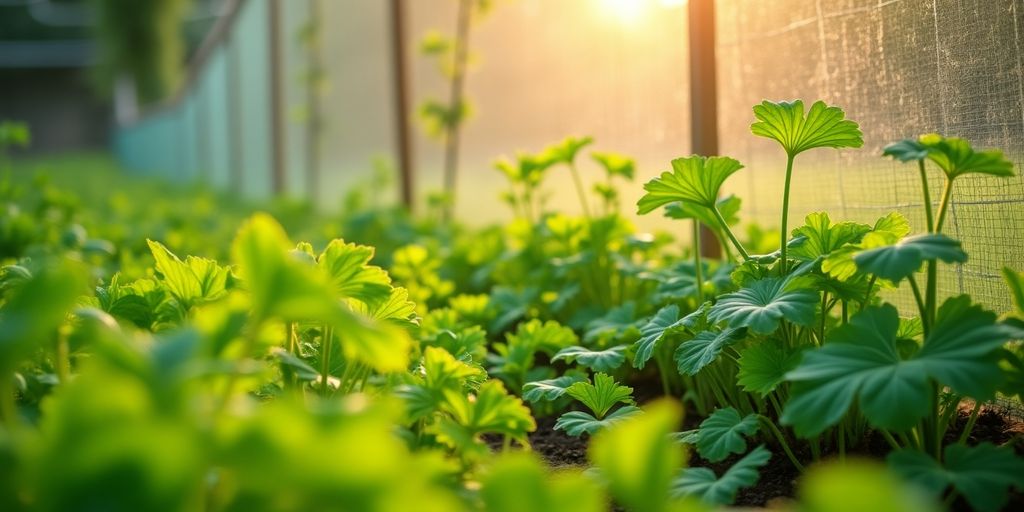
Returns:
point(63, 359)
point(579, 189)
point(785, 213)
point(889, 439)
point(782, 441)
point(698, 271)
point(927, 197)
point(970, 422)
point(947, 194)
point(921, 307)
point(729, 233)
point(326, 341)
point(8, 406)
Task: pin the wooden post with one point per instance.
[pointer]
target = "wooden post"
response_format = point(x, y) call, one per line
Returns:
point(277, 118)
point(703, 97)
point(402, 121)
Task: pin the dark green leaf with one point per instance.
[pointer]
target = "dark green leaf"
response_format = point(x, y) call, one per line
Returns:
point(762, 304)
point(763, 366)
point(597, 360)
point(982, 474)
point(575, 423)
point(550, 389)
point(702, 483)
point(906, 150)
point(899, 261)
point(694, 354)
point(723, 433)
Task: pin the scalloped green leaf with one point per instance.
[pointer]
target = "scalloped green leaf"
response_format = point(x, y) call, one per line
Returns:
point(723, 433)
point(550, 389)
point(597, 360)
point(347, 266)
point(703, 349)
point(762, 304)
point(576, 423)
point(602, 395)
point(900, 260)
point(956, 157)
point(821, 236)
point(861, 360)
point(887, 231)
point(694, 179)
point(906, 150)
point(822, 126)
point(728, 206)
point(763, 366)
point(615, 164)
point(565, 151)
point(191, 281)
point(652, 333)
point(983, 474)
point(701, 483)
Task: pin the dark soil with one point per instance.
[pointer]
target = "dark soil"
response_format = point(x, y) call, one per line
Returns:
point(779, 477)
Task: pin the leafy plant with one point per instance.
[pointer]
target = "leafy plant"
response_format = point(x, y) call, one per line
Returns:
point(599, 397)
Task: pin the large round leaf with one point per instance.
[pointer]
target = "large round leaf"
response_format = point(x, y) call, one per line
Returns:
point(900, 260)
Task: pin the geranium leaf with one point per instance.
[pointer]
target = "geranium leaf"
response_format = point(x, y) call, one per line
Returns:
point(576, 423)
point(702, 483)
point(602, 395)
point(347, 266)
point(490, 410)
point(887, 230)
point(821, 236)
point(900, 260)
point(956, 157)
point(598, 360)
point(906, 150)
point(982, 474)
point(652, 333)
point(615, 164)
point(566, 150)
point(728, 206)
point(823, 126)
point(762, 304)
point(550, 389)
point(763, 366)
point(861, 360)
point(694, 354)
point(694, 179)
point(723, 433)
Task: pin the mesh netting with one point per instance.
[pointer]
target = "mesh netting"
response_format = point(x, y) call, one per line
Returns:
point(899, 68)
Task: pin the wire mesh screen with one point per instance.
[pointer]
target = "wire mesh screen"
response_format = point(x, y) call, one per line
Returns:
point(544, 70)
point(900, 68)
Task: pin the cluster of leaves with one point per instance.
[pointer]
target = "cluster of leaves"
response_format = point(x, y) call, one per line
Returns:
point(803, 348)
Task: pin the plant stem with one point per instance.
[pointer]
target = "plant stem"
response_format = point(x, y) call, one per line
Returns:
point(451, 139)
point(947, 194)
point(927, 197)
point(326, 340)
point(921, 308)
point(63, 356)
point(970, 422)
point(697, 263)
point(889, 439)
point(782, 441)
point(579, 189)
point(728, 232)
point(8, 406)
point(785, 213)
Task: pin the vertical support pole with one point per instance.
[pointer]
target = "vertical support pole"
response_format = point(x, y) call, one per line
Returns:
point(277, 128)
point(703, 96)
point(314, 119)
point(235, 171)
point(402, 128)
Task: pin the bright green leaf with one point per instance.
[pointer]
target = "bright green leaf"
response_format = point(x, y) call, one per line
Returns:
point(821, 236)
point(615, 164)
point(601, 395)
point(956, 157)
point(576, 423)
point(349, 270)
point(823, 126)
point(694, 179)
point(550, 389)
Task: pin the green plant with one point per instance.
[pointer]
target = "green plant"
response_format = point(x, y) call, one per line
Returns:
point(599, 397)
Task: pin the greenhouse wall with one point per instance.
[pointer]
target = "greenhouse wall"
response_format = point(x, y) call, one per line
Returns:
point(900, 68)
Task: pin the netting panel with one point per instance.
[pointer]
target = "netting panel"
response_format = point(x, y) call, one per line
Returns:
point(900, 68)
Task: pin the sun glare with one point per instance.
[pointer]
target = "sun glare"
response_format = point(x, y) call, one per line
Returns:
point(628, 11)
